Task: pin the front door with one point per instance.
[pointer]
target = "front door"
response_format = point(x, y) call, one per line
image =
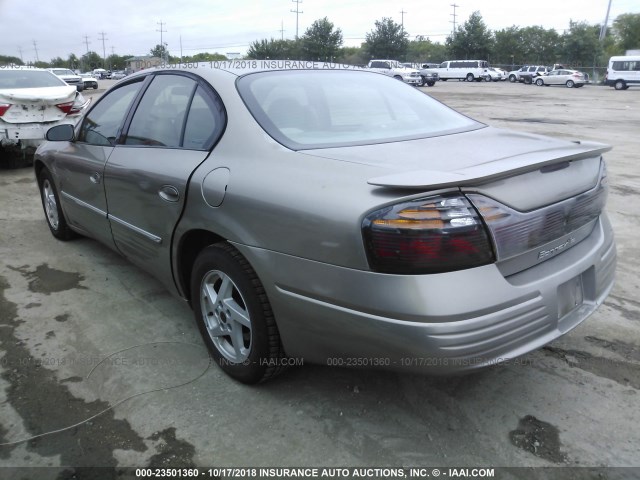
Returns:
point(80, 166)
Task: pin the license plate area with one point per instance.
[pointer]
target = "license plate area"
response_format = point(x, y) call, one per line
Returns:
point(570, 296)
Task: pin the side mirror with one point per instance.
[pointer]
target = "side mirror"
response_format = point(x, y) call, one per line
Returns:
point(61, 133)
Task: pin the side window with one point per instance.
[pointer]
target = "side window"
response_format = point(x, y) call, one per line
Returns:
point(204, 122)
point(101, 125)
point(159, 118)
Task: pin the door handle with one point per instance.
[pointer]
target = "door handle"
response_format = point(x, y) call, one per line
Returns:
point(95, 178)
point(169, 193)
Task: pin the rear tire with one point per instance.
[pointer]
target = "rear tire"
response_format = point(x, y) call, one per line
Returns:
point(234, 315)
point(570, 83)
point(52, 208)
point(620, 85)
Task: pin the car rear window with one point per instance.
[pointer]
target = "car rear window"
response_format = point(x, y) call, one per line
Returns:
point(14, 79)
point(307, 109)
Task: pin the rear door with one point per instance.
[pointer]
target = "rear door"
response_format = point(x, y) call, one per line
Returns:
point(173, 128)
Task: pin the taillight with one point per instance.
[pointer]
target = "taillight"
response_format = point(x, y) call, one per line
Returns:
point(432, 235)
point(4, 107)
point(65, 107)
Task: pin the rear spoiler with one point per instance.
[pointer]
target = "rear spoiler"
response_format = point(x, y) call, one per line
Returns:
point(493, 170)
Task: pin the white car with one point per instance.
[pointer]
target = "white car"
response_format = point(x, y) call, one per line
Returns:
point(118, 75)
point(89, 81)
point(395, 69)
point(568, 78)
point(32, 100)
point(493, 74)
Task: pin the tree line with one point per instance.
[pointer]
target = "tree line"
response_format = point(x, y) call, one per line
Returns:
point(577, 46)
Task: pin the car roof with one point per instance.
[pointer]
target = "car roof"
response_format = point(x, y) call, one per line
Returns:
point(232, 69)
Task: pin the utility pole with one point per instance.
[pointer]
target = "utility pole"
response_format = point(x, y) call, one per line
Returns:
point(35, 47)
point(297, 11)
point(104, 49)
point(454, 19)
point(87, 42)
point(20, 50)
point(402, 12)
point(603, 30)
point(162, 30)
point(180, 48)
point(281, 30)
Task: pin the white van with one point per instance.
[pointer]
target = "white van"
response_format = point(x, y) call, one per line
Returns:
point(623, 72)
point(468, 70)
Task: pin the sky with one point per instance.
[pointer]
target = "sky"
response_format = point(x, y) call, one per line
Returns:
point(58, 27)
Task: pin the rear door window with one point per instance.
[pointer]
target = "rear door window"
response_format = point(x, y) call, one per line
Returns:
point(159, 118)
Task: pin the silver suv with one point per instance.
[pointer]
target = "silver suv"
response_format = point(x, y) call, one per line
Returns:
point(528, 72)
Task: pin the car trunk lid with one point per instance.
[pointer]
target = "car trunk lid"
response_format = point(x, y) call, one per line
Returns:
point(31, 105)
point(538, 196)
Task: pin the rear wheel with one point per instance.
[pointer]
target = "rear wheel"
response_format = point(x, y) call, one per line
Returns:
point(234, 315)
point(52, 208)
point(570, 84)
point(620, 85)
point(431, 84)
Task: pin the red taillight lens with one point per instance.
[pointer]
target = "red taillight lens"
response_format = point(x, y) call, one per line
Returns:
point(65, 107)
point(432, 235)
point(4, 107)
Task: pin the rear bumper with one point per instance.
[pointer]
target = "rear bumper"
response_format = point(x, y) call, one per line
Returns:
point(443, 323)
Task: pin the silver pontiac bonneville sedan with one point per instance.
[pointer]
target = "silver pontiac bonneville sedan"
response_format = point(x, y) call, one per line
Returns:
point(335, 215)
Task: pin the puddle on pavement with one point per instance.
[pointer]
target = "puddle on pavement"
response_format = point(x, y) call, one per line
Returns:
point(45, 403)
point(538, 437)
point(47, 280)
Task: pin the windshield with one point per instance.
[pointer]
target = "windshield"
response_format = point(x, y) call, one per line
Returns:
point(13, 79)
point(63, 71)
point(318, 109)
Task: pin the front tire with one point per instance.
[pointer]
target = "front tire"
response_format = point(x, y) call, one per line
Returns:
point(52, 208)
point(512, 78)
point(470, 77)
point(539, 82)
point(234, 315)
